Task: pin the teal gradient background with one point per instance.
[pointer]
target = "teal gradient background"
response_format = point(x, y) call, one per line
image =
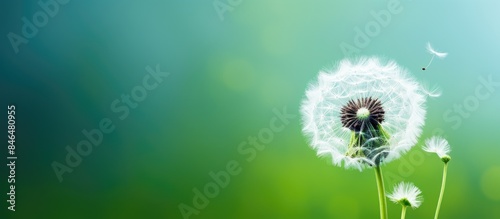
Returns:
point(226, 78)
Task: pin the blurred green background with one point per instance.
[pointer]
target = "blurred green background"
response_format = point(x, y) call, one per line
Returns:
point(226, 78)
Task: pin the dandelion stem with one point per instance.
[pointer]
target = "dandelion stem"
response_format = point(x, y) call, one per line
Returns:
point(403, 212)
point(443, 184)
point(381, 193)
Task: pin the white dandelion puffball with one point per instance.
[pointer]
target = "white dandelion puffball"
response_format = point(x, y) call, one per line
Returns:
point(406, 194)
point(439, 146)
point(363, 112)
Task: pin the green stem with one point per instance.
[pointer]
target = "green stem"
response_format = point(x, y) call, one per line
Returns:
point(403, 212)
point(443, 184)
point(381, 193)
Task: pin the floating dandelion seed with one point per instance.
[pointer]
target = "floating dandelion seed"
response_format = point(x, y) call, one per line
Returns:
point(363, 113)
point(434, 54)
point(434, 91)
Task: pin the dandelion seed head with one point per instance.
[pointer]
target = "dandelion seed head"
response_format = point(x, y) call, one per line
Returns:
point(378, 101)
point(439, 146)
point(406, 194)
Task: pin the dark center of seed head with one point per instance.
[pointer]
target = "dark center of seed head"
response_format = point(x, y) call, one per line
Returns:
point(362, 113)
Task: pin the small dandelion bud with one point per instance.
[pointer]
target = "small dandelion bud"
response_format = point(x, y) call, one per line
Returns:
point(446, 159)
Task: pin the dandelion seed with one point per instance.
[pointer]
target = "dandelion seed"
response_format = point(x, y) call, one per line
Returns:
point(434, 53)
point(434, 91)
point(363, 113)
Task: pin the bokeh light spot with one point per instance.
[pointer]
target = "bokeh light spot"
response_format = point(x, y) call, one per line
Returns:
point(237, 75)
point(489, 183)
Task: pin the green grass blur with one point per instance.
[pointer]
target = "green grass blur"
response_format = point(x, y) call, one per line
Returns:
point(226, 77)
